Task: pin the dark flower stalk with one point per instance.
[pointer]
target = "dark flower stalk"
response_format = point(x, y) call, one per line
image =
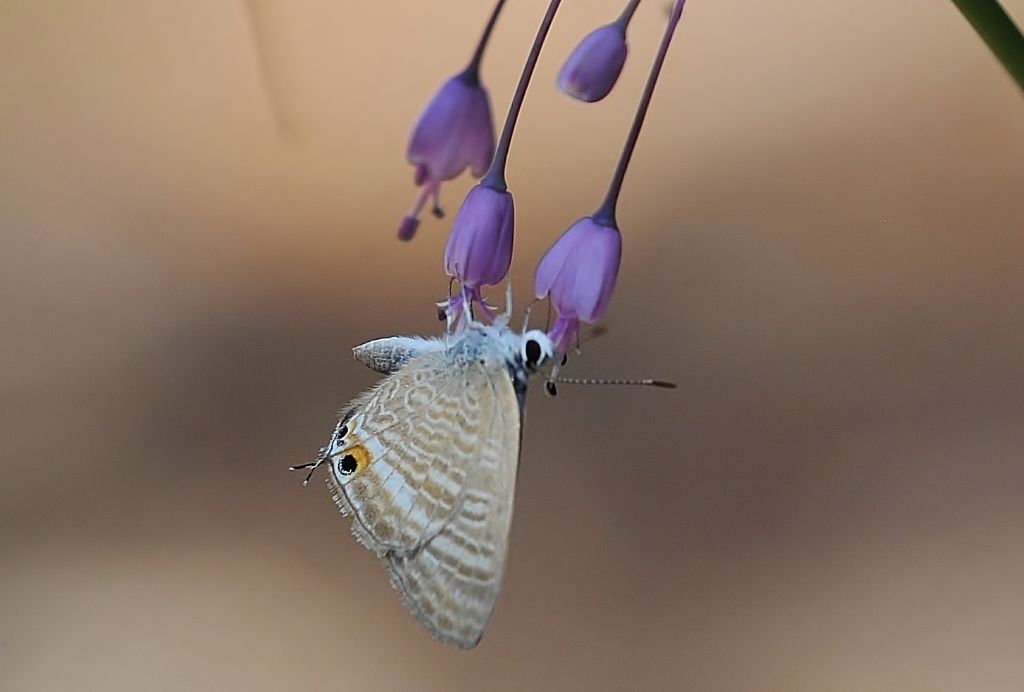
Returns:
point(606, 212)
point(627, 14)
point(495, 177)
point(579, 271)
point(472, 71)
point(479, 248)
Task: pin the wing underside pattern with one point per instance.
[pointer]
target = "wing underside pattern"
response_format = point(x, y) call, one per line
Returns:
point(435, 500)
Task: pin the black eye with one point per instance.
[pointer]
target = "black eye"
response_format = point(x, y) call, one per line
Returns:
point(533, 353)
point(348, 465)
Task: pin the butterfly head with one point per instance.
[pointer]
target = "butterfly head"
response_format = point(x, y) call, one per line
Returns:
point(535, 349)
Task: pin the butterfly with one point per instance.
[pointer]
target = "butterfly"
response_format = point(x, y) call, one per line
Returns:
point(425, 464)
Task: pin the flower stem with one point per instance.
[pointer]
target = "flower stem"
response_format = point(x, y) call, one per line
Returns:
point(472, 72)
point(606, 212)
point(627, 14)
point(495, 177)
point(1000, 33)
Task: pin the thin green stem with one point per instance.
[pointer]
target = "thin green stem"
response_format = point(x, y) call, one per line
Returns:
point(998, 31)
point(495, 177)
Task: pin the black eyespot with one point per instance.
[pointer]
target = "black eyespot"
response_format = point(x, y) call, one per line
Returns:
point(533, 353)
point(348, 465)
point(342, 431)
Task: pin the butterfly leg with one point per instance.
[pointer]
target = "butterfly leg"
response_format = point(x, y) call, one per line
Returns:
point(504, 317)
point(526, 314)
point(549, 385)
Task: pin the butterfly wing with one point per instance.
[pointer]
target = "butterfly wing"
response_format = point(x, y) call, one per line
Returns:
point(427, 467)
point(452, 583)
point(390, 353)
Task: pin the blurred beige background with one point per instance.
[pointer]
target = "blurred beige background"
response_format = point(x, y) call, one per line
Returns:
point(823, 246)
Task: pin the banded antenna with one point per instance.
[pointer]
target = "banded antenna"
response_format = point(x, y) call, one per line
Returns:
point(644, 382)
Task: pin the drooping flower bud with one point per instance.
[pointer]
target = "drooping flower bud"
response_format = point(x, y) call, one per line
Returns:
point(455, 132)
point(594, 66)
point(579, 273)
point(479, 249)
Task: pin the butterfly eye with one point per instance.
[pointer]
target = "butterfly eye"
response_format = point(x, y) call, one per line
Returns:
point(533, 353)
point(536, 348)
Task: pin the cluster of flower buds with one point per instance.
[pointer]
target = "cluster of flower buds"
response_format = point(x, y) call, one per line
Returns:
point(578, 273)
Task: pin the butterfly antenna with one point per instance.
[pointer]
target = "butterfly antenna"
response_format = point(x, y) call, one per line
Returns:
point(552, 389)
point(643, 382)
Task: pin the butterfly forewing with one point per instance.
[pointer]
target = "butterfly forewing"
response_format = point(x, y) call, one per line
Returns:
point(427, 467)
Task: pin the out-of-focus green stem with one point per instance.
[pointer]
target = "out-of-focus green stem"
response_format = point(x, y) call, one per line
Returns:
point(1000, 33)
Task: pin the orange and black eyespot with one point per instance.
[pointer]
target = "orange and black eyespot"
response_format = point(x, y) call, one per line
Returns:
point(352, 460)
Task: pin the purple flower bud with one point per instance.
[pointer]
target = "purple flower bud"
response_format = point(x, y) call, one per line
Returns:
point(579, 273)
point(479, 249)
point(594, 66)
point(454, 132)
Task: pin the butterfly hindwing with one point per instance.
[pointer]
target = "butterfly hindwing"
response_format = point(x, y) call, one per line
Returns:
point(452, 583)
point(426, 462)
